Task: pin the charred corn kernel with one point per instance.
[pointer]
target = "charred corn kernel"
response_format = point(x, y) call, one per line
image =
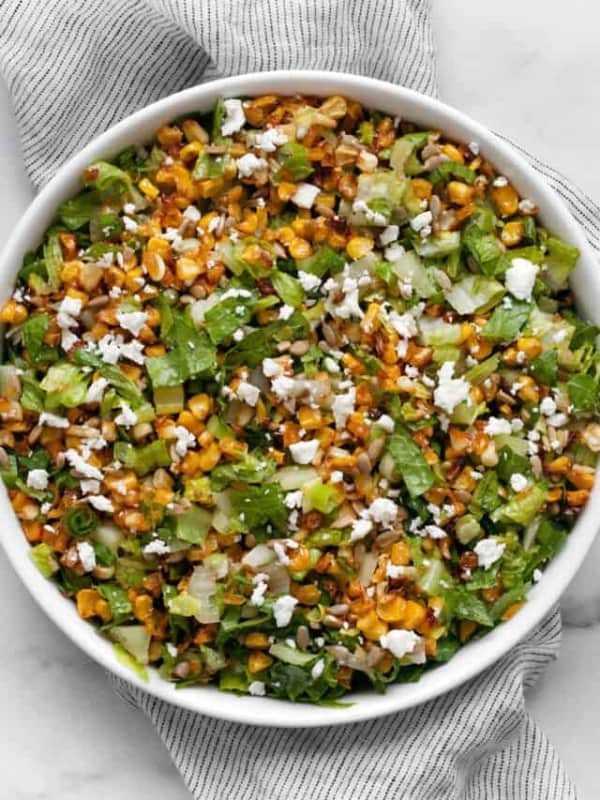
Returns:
point(134, 279)
point(359, 246)
point(160, 246)
point(302, 227)
point(391, 608)
point(334, 107)
point(233, 448)
point(190, 151)
point(581, 477)
point(189, 421)
point(560, 466)
point(371, 626)
point(69, 272)
point(194, 132)
point(511, 611)
point(554, 495)
point(299, 559)
point(168, 135)
point(249, 223)
point(308, 595)
point(460, 193)
point(352, 363)
point(529, 345)
point(33, 531)
point(256, 640)
point(87, 599)
point(578, 497)
point(187, 269)
point(299, 248)
point(414, 614)
point(371, 322)
point(505, 200)
point(286, 235)
point(453, 153)
point(512, 233)
point(259, 661)
point(285, 191)
point(209, 457)
point(529, 393)
point(148, 188)
point(400, 554)
point(142, 607)
point(348, 186)
point(13, 313)
point(422, 188)
point(309, 418)
point(253, 254)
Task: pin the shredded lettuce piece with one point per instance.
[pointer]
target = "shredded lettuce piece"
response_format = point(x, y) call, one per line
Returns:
point(142, 460)
point(409, 462)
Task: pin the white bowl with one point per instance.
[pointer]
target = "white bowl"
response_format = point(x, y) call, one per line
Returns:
point(427, 112)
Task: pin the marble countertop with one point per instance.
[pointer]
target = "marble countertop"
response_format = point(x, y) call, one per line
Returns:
point(66, 735)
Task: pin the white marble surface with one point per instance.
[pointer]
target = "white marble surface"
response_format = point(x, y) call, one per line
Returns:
point(525, 68)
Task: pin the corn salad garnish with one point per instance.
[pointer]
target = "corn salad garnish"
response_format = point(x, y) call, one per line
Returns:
point(295, 398)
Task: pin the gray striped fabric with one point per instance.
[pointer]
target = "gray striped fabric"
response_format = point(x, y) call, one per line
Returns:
point(74, 68)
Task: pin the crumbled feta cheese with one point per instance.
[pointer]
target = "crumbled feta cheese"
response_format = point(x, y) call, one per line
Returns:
point(127, 418)
point(548, 406)
point(69, 308)
point(373, 217)
point(517, 425)
point(496, 426)
point(389, 235)
point(184, 439)
point(248, 393)
point(284, 388)
point(304, 452)
point(282, 556)
point(238, 335)
point(285, 312)
point(449, 391)
point(132, 321)
point(81, 466)
point(399, 642)
point(317, 669)
point(260, 582)
point(337, 476)
point(518, 482)
point(283, 608)
point(293, 499)
point(87, 556)
point(474, 148)
point(342, 407)
point(393, 253)
point(331, 365)
point(386, 423)
point(257, 689)
point(349, 307)
point(235, 119)
point(305, 195)
point(96, 391)
point(382, 510)
point(557, 420)
point(308, 281)
point(100, 503)
point(37, 479)
point(421, 221)
point(248, 164)
point(395, 571)
point(527, 206)
point(89, 486)
point(271, 368)
point(488, 551)
point(500, 181)
point(520, 278)
point(269, 140)
point(192, 214)
point(361, 527)
point(537, 575)
point(434, 532)
point(130, 224)
point(156, 548)
point(404, 324)
point(52, 420)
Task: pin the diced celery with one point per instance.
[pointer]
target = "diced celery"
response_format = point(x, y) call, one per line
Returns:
point(466, 413)
point(321, 497)
point(169, 400)
point(411, 270)
point(292, 478)
point(43, 557)
point(290, 655)
point(438, 333)
point(199, 491)
point(134, 638)
point(193, 525)
point(467, 528)
point(142, 459)
point(483, 370)
point(435, 575)
point(475, 294)
point(443, 244)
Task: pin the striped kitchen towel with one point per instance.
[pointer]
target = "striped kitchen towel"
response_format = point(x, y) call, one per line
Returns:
point(74, 68)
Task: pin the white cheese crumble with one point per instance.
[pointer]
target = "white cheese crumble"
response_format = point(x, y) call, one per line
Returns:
point(488, 551)
point(304, 452)
point(293, 499)
point(184, 439)
point(305, 195)
point(52, 420)
point(132, 321)
point(271, 368)
point(383, 510)
point(100, 503)
point(520, 278)
point(285, 312)
point(548, 406)
point(374, 217)
point(89, 486)
point(248, 393)
point(518, 482)
point(342, 407)
point(269, 140)
point(257, 598)
point(281, 554)
point(400, 643)
point(449, 391)
point(317, 669)
point(37, 479)
point(361, 527)
point(389, 234)
point(127, 418)
point(96, 391)
point(283, 608)
point(337, 476)
point(421, 221)
point(308, 281)
point(81, 466)
point(257, 689)
point(87, 556)
point(248, 164)
point(386, 423)
point(394, 252)
point(235, 119)
point(496, 426)
point(156, 548)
